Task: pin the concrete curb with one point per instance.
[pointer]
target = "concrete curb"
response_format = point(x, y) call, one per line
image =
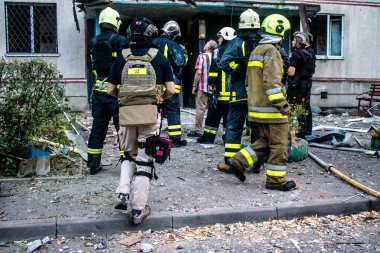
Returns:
point(19, 230)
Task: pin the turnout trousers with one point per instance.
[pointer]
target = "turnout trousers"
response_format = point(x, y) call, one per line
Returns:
point(234, 129)
point(104, 107)
point(271, 145)
point(214, 115)
point(173, 114)
point(136, 173)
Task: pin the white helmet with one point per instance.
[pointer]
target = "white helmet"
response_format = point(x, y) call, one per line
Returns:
point(303, 37)
point(110, 16)
point(228, 33)
point(172, 29)
point(249, 19)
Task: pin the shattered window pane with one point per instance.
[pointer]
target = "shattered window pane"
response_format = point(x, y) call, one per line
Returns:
point(328, 35)
point(31, 28)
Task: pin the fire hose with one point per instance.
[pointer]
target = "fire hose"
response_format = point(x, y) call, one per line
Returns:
point(336, 172)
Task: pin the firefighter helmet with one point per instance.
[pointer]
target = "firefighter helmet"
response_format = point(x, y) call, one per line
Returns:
point(141, 28)
point(302, 37)
point(110, 16)
point(275, 24)
point(171, 29)
point(249, 19)
point(227, 33)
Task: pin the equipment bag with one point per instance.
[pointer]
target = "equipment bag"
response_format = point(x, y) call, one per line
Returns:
point(138, 90)
point(159, 148)
point(102, 55)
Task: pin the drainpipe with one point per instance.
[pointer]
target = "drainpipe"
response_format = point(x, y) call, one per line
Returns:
point(333, 170)
point(304, 20)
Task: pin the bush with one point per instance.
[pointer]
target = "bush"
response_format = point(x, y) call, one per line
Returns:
point(30, 106)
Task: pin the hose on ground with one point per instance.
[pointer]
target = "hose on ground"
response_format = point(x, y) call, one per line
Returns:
point(336, 172)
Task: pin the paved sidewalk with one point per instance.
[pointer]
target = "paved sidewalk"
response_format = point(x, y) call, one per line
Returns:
point(189, 192)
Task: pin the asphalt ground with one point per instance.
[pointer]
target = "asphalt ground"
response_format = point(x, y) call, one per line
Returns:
point(189, 192)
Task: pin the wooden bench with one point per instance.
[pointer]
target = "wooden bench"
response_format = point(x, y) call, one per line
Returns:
point(373, 95)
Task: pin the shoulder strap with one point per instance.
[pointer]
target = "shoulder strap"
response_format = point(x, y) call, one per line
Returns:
point(126, 53)
point(149, 56)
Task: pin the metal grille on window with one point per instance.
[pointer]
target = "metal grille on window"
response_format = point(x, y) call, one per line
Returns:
point(31, 28)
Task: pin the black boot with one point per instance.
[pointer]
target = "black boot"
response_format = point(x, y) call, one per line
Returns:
point(290, 185)
point(231, 170)
point(94, 164)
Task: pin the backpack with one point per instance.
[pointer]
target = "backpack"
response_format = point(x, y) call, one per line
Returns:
point(138, 79)
point(309, 64)
point(102, 55)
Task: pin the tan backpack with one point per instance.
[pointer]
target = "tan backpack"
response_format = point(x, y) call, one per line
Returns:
point(138, 90)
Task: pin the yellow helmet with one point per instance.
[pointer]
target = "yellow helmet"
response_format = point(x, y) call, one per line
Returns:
point(110, 16)
point(275, 24)
point(249, 19)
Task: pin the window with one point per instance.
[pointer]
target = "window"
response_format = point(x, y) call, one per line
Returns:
point(328, 35)
point(31, 28)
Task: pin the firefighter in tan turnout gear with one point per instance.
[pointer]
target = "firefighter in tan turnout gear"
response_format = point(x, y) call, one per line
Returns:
point(268, 107)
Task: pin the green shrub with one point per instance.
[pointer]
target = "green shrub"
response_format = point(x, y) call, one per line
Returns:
point(30, 106)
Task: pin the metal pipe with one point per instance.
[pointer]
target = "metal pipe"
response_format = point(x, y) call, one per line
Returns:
point(336, 172)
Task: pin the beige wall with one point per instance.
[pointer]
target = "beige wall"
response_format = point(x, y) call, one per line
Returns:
point(360, 60)
point(70, 59)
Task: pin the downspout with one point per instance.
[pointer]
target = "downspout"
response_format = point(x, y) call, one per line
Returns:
point(336, 172)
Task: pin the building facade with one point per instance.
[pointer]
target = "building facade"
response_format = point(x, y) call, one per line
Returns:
point(345, 37)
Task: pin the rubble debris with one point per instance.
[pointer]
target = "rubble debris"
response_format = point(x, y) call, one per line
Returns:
point(131, 240)
point(365, 151)
point(324, 127)
point(146, 247)
point(295, 243)
point(32, 246)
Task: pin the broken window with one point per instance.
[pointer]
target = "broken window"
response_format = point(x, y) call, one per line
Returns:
point(328, 35)
point(31, 27)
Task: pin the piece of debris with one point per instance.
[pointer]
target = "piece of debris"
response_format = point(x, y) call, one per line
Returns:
point(131, 240)
point(33, 245)
point(295, 243)
point(101, 245)
point(146, 247)
point(45, 240)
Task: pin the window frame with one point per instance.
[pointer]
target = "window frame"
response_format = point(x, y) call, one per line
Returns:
point(328, 38)
point(6, 21)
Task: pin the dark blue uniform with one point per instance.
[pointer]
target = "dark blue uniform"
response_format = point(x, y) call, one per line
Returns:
point(177, 57)
point(299, 88)
point(104, 106)
point(234, 62)
point(222, 83)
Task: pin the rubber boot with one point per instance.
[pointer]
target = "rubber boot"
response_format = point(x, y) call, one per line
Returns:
point(290, 185)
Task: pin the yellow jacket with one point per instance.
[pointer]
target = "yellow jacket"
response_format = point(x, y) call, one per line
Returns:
point(266, 94)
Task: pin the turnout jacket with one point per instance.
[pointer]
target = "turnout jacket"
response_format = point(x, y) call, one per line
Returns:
point(266, 94)
point(234, 62)
point(220, 79)
point(176, 55)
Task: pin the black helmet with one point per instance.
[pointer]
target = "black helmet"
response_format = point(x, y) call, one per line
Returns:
point(142, 29)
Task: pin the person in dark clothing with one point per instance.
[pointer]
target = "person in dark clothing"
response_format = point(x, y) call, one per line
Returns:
point(301, 70)
point(177, 57)
point(234, 62)
point(135, 137)
point(220, 82)
point(102, 51)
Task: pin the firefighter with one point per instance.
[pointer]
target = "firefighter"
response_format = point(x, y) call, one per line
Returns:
point(146, 67)
point(268, 107)
point(221, 85)
point(234, 62)
point(177, 57)
point(301, 70)
point(102, 51)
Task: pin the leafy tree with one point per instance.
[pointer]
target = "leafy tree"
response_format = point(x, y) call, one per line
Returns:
point(31, 100)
